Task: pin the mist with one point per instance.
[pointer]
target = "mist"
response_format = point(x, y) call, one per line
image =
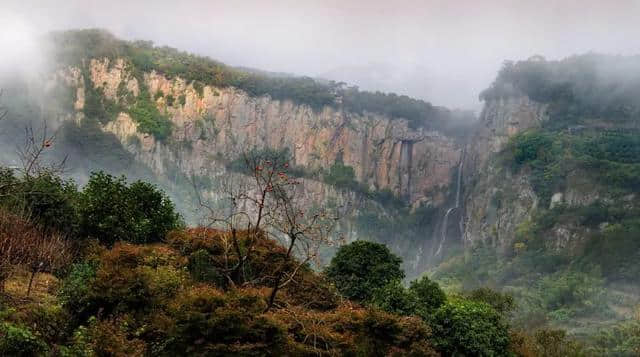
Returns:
point(440, 51)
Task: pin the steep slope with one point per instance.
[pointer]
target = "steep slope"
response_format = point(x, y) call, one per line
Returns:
point(550, 195)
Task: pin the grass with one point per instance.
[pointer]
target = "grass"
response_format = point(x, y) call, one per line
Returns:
point(42, 290)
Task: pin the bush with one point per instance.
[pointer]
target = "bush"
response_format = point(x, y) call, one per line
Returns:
point(529, 146)
point(111, 211)
point(352, 331)
point(359, 268)
point(341, 175)
point(204, 320)
point(105, 338)
point(16, 340)
point(463, 327)
point(503, 303)
point(429, 296)
point(47, 199)
point(202, 269)
point(395, 299)
point(149, 119)
point(76, 286)
point(572, 293)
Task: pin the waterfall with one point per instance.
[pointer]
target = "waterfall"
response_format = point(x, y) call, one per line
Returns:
point(445, 220)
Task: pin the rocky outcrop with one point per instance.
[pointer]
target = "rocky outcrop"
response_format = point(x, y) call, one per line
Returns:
point(498, 200)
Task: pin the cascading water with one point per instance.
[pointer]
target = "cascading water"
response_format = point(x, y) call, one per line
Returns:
point(445, 220)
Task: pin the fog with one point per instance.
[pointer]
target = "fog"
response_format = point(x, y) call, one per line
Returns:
point(445, 52)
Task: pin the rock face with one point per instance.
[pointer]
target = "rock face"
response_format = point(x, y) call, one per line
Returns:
point(496, 200)
point(499, 200)
point(215, 123)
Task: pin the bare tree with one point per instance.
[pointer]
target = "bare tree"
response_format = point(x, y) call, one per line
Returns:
point(266, 201)
point(248, 207)
point(31, 153)
point(48, 254)
point(305, 229)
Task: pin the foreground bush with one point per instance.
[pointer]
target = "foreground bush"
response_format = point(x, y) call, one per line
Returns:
point(463, 327)
point(110, 210)
point(359, 268)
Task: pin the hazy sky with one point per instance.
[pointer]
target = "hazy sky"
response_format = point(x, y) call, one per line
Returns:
point(442, 51)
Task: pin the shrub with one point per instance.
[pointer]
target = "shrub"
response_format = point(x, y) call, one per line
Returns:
point(463, 327)
point(352, 331)
point(204, 320)
point(105, 338)
point(341, 175)
point(202, 269)
point(360, 267)
point(394, 298)
point(149, 119)
point(428, 295)
point(16, 340)
point(571, 293)
point(170, 100)
point(111, 211)
point(76, 286)
point(503, 303)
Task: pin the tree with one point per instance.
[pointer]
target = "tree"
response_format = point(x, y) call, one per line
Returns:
point(395, 299)
point(503, 303)
point(265, 201)
point(361, 267)
point(470, 328)
point(111, 211)
point(305, 228)
point(49, 201)
point(428, 295)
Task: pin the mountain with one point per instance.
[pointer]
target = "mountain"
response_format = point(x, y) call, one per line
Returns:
point(537, 198)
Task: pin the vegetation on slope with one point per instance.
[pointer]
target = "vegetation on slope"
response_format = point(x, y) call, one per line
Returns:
point(590, 86)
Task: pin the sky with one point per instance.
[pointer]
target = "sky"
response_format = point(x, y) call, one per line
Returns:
point(443, 51)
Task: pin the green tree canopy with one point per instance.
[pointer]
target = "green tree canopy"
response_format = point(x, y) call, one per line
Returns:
point(428, 296)
point(470, 328)
point(359, 268)
point(111, 211)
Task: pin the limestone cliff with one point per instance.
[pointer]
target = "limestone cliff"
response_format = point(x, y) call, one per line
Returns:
point(220, 123)
point(498, 200)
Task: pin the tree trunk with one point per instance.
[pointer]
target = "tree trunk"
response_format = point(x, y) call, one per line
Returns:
point(276, 285)
point(33, 275)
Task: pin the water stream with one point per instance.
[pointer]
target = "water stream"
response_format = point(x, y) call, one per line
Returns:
point(445, 220)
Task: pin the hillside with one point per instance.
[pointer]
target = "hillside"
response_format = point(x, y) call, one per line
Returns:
point(536, 201)
point(551, 207)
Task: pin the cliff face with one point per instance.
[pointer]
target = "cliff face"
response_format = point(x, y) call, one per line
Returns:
point(221, 123)
point(497, 200)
